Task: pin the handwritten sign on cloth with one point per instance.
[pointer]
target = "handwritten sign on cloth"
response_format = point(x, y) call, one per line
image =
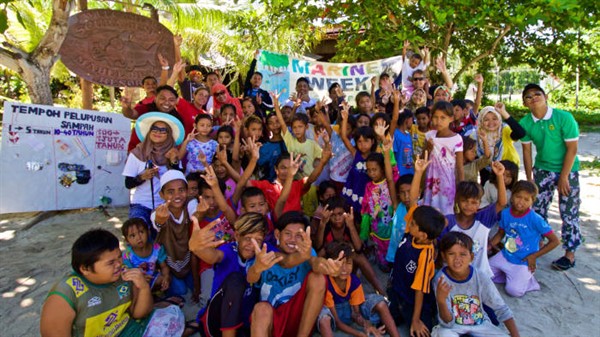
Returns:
point(281, 71)
point(55, 158)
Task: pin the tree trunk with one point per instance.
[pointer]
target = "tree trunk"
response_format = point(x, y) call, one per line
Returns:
point(34, 68)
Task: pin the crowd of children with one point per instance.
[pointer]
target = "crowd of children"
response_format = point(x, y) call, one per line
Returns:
point(269, 212)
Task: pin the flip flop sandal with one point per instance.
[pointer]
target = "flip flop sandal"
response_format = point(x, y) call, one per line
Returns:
point(191, 328)
point(175, 300)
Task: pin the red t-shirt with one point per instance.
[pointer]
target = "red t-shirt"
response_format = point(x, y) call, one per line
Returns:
point(272, 192)
point(185, 116)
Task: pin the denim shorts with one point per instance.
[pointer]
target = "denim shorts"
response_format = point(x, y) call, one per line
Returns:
point(344, 311)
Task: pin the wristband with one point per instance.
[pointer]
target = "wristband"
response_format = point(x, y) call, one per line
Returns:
point(166, 68)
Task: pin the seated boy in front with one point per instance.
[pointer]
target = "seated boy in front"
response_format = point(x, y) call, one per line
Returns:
point(292, 290)
point(345, 301)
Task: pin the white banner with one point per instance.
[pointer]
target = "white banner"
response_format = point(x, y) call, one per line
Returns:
point(55, 158)
point(281, 71)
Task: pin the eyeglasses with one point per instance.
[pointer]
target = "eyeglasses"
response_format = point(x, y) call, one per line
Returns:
point(219, 93)
point(531, 96)
point(418, 78)
point(158, 129)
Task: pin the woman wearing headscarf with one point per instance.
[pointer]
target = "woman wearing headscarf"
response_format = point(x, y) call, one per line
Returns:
point(500, 130)
point(159, 133)
point(221, 96)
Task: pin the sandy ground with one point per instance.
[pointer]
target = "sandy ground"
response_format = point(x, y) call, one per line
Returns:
point(567, 305)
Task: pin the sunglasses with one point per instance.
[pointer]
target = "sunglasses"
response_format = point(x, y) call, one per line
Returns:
point(418, 78)
point(158, 129)
point(219, 93)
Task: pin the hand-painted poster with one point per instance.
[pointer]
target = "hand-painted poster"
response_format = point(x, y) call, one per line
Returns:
point(281, 71)
point(55, 158)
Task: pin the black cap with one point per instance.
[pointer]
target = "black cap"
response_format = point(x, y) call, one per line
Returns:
point(532, 86)
point(192, 67)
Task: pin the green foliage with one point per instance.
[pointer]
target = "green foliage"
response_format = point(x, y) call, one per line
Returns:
point(589, 98)
point(540, 33)
point(585, 118)
point(593, 166)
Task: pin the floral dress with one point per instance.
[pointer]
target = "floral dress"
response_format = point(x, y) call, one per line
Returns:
point(440, 181)
point(354, 188)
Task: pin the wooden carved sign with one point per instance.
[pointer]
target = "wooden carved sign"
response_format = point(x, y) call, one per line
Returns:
point(115, 48)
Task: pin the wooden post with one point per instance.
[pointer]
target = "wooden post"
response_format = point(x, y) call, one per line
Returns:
point(87, 89)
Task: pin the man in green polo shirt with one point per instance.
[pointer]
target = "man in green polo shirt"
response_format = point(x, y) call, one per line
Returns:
point(555, 134)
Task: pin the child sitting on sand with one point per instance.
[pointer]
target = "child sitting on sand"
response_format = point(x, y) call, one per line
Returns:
point(145, 255)
point(521, 230)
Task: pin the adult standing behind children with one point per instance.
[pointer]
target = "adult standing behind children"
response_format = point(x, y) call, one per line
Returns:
point(252, 87)
point(555, 134)
point(160, 133)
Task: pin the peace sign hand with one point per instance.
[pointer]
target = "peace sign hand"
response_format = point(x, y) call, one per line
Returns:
point(264, 260)
point(295, 164)
point(203, 238)
point(192, 135)
point(304, 247)
point(210, 177)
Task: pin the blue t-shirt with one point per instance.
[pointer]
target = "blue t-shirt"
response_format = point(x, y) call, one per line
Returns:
point(231, 263)
point(148, 264)
point(278, 285)
point(269, 152)
point(398, 229)
point(522, 235)
point(413, 269)
point(403, 151)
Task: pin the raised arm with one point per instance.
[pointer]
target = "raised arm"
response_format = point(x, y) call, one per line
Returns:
point(126, 108)
point(325, 156)
point(222, 158)
point(211, 179)
point(275, 96)
point(344, 128)
point(415, 186)
point(237, 136)
point(441, 65)
point(479, 95)
point(164, 73)
point(247, 82)
point(287, 184)
point(177, 40)
point(517, 131)
point(188, 138)
point(239, 188)
point(177, 68)
point(389, 176)
point(398, 100)
point(498, 169)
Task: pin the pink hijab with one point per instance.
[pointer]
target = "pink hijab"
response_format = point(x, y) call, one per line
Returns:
point(229, 100)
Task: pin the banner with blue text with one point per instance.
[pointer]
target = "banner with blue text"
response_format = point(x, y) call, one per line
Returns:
point(56, 158)
point(281, 71)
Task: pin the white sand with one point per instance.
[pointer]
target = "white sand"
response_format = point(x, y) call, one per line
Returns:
point(568, 304)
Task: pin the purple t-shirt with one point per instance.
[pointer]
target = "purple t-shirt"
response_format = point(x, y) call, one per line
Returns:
point(231, 263)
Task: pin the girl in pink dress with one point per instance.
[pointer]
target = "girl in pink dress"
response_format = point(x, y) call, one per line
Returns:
point(446, 154)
